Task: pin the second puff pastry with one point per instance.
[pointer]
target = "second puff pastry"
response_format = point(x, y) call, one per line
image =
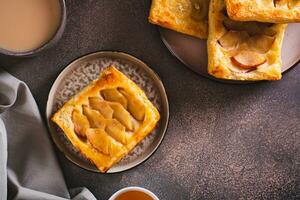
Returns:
point(243, 50)
point(185, 16)
point(273, 11)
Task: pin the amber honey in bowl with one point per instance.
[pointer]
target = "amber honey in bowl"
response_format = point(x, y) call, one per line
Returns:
point(134, 195)
point(26, 25)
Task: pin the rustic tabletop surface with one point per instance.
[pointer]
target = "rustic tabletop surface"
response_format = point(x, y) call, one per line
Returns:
point(223, 142)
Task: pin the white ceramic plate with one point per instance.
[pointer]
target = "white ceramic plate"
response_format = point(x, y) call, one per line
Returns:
point(80, 73)
point(192, 51)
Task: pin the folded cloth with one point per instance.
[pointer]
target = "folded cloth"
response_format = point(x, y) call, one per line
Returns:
point(28, 166)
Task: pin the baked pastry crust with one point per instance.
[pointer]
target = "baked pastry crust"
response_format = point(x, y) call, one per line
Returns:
point(222, 61)
point(107, 119)
point(185, 16)
point(273, 11)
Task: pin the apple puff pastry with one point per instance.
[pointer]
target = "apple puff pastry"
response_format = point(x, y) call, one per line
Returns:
point(273, 11)
point(107, 119)
point(185, 16)
point(243, 50)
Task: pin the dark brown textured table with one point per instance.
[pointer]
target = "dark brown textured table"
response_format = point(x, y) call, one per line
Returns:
point(223, 142)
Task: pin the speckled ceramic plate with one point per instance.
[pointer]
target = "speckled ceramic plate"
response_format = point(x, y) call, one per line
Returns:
point(80, 73)
point(192, 51)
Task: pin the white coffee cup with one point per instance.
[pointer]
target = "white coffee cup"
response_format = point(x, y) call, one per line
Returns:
point(133, 188)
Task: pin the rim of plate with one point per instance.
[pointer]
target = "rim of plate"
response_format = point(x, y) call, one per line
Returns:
point(135, 61)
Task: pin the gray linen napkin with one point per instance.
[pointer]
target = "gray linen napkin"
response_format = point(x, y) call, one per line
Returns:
point(28, 166)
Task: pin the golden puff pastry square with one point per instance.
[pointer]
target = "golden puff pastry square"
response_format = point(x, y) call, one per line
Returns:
point(107, 119)
point(185, 16)
point(243, 50)
point(273, 11)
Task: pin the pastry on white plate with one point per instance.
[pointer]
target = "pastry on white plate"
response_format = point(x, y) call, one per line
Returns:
point(243, 50)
